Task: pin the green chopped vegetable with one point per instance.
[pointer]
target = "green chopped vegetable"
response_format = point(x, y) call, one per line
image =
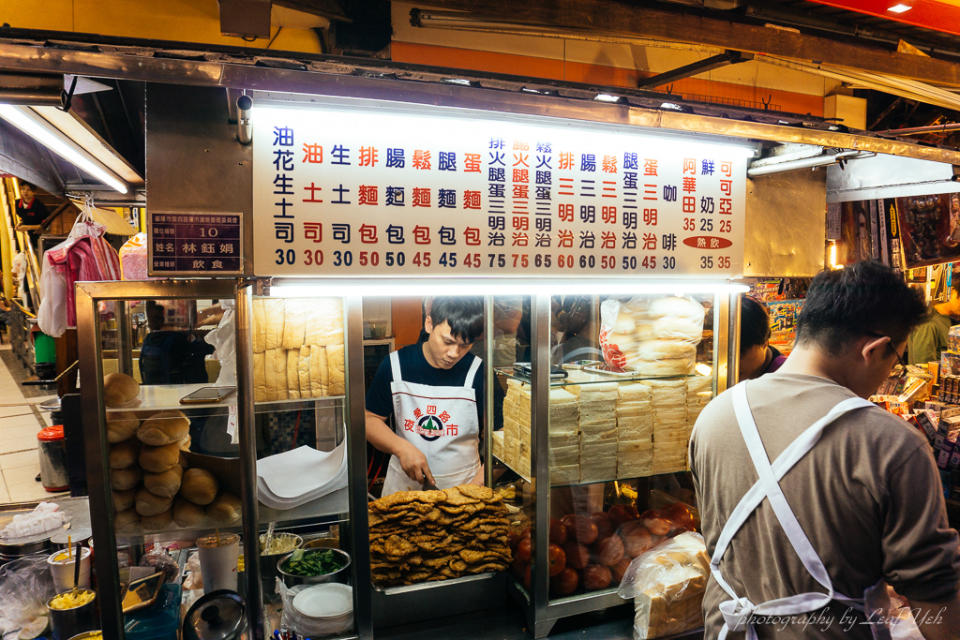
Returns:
point(314, 562)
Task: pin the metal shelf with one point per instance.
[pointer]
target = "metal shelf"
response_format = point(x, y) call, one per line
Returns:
point(160, 397)
point(588, 378)
point(331, 508)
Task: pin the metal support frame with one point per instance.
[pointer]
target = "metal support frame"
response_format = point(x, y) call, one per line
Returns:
point(96, 450)
point(728, 57)
point(248, 457)
point(540, 459)
point(355, 418)
point(489, 381)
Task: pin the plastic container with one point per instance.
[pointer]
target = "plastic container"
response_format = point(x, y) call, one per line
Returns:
point(53, 459)
point(67, 623)
point(157, 622)
point(62, 568)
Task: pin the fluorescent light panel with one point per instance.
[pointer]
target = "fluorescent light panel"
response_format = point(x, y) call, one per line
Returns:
point(35, 127)
point(899, 8)
point(383, 287)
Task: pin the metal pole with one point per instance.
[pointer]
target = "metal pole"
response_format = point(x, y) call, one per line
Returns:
point(540, 407)
point(355, 418)
point(248, 459)
point(488, 423)
point(96, 452)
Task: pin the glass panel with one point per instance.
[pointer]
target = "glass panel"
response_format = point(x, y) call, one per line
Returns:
point(512, 438)
point(172, 443)
point(299, 391)
point(619, 422)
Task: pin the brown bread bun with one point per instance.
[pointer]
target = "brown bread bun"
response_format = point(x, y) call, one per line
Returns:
point(188, 515)
point(164, 428)
point(119, 390)
point(125, 479)
point(121, 425)
point(124, 454)
point(148, 504)
point(166, 484)
point(159, 459)
point(199, 486)
point(225, 510)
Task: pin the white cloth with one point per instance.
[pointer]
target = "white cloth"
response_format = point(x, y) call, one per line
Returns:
point(442, 422)
point(738, 611)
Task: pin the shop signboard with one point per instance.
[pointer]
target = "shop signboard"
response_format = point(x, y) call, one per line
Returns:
point(190, 243)
point(378, 192)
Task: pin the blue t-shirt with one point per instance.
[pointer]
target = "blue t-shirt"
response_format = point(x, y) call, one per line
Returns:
point(415, 368)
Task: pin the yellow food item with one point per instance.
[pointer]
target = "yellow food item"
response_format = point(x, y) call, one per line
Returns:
point(72, 599)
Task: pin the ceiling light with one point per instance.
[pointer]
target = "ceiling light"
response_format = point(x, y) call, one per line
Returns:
point(606, 97)
point(30, 123)
point(899, 8)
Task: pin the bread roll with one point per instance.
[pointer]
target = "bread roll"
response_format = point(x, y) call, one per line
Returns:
point(158, 522)
point(163, 428)
point(225, 510)
point(125, 479)
point(119, 390)
point(335, 385)
point(303, 371)
point(259, 377)
point(199, 486)
point(148, 504)
point(273, 312)
point(123, 500)
point(127, 521)
point(677, 307)
point(293, 374)
point(186, 514)
point(165, 484)
point(121, 425)
point(294, 320)
point(275, 366)
point(665, 349)
point(159, 459)
point(124, 454)
point(259, 326)
point(319, 376)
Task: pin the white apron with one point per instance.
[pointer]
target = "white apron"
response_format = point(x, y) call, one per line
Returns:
point(442, 422)
point(737, 612)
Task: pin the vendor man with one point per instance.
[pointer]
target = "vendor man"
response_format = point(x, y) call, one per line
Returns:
point(434, 390)
point(930, 337)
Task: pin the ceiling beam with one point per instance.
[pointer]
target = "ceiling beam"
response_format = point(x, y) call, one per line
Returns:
point(621, 21)
point(695, 68)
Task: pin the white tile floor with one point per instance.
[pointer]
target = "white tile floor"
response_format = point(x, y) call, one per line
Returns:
point(19, 459)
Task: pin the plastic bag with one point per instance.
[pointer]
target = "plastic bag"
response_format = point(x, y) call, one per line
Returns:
point(667, 585)
point(25, 587)
point(651, 336)
point(133, 258)
point(890, 614)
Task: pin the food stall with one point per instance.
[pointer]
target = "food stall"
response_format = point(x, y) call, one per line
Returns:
point(364, 188)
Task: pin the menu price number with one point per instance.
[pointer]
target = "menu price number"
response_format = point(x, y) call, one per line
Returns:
point(706, 224)
point(720, 262)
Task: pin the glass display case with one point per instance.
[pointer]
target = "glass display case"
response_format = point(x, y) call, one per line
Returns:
point(219, 417)
point(586, 412)
point(599, 397)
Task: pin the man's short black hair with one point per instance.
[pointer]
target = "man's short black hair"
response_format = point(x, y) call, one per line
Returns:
point(754, 324)
point(30, 185)
point(463, 314)
point(865, 299)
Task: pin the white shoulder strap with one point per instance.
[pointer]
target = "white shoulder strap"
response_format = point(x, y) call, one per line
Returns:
point(472, 372)
point(767, 486)
point(395, 366)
